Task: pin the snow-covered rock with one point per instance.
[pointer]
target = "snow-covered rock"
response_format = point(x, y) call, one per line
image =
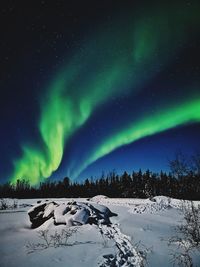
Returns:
point(70, 213)
point(41, 213)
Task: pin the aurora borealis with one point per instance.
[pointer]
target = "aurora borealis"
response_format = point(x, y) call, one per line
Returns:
point(172, 117)
point(133, 74)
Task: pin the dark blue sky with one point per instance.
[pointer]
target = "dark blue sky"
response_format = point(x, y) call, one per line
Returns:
point(38, 38)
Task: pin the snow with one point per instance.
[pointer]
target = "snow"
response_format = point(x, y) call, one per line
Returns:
point(59, 212)
point(98, 198)
point(141, 225)
point(49, 209)
point(81, 216)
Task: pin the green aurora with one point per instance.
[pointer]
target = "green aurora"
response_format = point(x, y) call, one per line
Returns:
point(115, 61)
point(166, 119)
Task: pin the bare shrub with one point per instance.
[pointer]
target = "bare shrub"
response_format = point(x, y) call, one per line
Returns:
point(187, 236)
point(15, 204)
point(3, 204)
point(56, 239)
point(6, 204)
point(182, 257)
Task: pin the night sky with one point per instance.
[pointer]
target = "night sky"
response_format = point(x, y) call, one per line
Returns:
point(94, 86)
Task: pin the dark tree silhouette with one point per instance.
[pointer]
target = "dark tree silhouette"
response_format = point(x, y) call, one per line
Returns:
point(183, 182)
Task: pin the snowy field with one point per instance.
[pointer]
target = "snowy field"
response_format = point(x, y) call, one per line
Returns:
point(87, 232)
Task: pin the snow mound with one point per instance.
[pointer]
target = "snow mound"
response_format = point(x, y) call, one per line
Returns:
point(162, 201)
point(156, 204)
point(70, 213)
point(98, 198)
point(139, 206)
point(169, 202)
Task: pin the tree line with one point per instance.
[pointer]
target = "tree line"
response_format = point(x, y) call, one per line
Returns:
point(183, 181)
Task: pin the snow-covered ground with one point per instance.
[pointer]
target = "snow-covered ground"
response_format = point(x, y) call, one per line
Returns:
point(141, 230)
